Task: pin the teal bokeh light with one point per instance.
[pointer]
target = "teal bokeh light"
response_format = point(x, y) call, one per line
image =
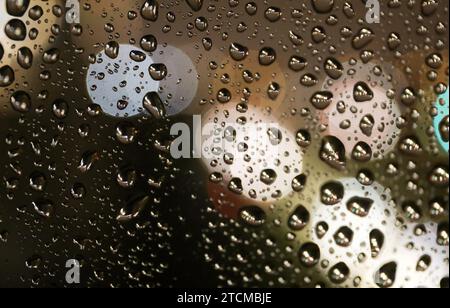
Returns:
point(442, 105)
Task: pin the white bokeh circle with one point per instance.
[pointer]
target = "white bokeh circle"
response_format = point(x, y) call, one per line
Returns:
point(110, 81)
point(400, 246)
point(284, 157)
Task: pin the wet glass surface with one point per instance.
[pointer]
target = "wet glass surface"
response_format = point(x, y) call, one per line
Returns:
point(316, 150)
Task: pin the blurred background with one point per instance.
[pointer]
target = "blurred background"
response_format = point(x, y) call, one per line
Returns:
point(356, 195)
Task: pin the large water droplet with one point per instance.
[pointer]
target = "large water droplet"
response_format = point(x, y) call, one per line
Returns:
point(43, 207)
point(132, 209)
point(17, 7)
point(253, 216)
point(299, 219)
point(339, 273)
point(323, 6)
point(195, 5)
point(7, 76)
point(154, 105)
point(267, 56)
point(21, 101)
point(16, 30)
point(309, 254)
point(376, 238)
point(332, 193)
point(238, 52)
point(362, 92)
point(385, 277)
point(321, 100)
point(112, 49)
point(149, 10)
point(332, 152)
point(268, 176)
point(359, 206)
point(25, 57)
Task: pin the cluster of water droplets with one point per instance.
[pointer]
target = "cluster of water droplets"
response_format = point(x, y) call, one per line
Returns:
point(350, 188)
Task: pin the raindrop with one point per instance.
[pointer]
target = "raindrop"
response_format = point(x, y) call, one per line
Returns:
point(126, 133)
point(439, 176)
point(235, 186)
point(268, 176)
point(7, 76)
point(251, 8)
point(43, 207)
point(132, 209)
point(195, 5)
point(359, 206)
point(112, 49)
point(37, 181)
point(339, 273)
point(51, 56)
point(410, 145)
point(224, 96)
point(149, 10)
point(438, 207)
point(275, 136)
point(299, 183)
point(321, 229)
point(153, 104)
point(137, 56)
point(78, 191)
point(35, 12)
point(25, 57)
point(424, 263)
point(412, 210)
point(332, 193)
point(442, 234)
point(149, 43)
point(216, 177)
point(238, 52)
point(323, 6)
point(309, 254)
point(87, 161)
point(158, 71)
point(444, 127)
point(385, 277)
point(332, 152)
point(367, 124)
point(267, 56)
point(201, 23)
point(17, 7)
point(299, 219)
point(376, 238)
point(365, 177)
point(60, 108)
point(274, 90)
point(16, 30)
point(429, 7)
point(297, 64)
point(303, 138)
point(363, 38)
point(309, 80)
point(362, 92)
point(362, 152)
point(273, 14)
point(343, 237)
point(21, 101)
point(333, 68)
point(126, 177)
point(33, 262)
point(321, 100)
point(253, 216)
point(408, 96)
